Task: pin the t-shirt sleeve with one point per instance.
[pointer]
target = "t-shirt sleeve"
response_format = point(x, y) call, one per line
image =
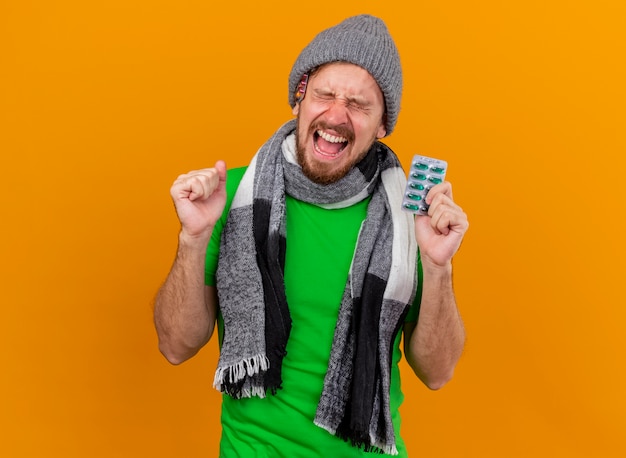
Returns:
point(233, 178)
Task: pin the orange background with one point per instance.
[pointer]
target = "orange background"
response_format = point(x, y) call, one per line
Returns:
point(103, 104)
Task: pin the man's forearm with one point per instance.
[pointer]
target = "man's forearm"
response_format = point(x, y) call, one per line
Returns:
point(184, 312)
point(436, 343)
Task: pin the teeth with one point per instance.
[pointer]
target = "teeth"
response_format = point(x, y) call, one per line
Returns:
point(331, 138)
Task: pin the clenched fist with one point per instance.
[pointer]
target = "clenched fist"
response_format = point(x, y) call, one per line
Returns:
point(439, 235)
point(199, 197)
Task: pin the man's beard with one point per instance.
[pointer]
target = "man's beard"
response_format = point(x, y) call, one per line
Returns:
point(323, 173)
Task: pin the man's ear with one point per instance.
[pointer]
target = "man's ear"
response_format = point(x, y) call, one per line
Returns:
point(381, 131)
point(296, 109)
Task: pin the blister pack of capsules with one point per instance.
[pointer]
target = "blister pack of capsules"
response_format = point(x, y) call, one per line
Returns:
point(425, 173)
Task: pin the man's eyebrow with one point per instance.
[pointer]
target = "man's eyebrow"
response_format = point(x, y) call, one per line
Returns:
point(359, 100)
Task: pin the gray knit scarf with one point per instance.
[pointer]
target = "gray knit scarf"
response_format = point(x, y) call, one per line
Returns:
point(354, 403)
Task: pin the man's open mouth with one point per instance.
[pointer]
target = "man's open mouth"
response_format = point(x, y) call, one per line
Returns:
point(327, 144)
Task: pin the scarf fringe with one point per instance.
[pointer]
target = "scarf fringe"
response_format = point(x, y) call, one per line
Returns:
point(230, 375)
point(253, 391)
point(386, 449)
point(373, 446)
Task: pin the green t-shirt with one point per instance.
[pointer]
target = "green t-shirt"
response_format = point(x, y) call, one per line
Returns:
point(320, 245)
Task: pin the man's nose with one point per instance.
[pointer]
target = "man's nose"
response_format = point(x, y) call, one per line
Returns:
point(337, 112)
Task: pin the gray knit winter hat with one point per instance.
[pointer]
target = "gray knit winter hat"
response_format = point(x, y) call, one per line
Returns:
point(362, 40)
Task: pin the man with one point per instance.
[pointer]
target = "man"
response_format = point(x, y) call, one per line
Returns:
point(310, 267)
